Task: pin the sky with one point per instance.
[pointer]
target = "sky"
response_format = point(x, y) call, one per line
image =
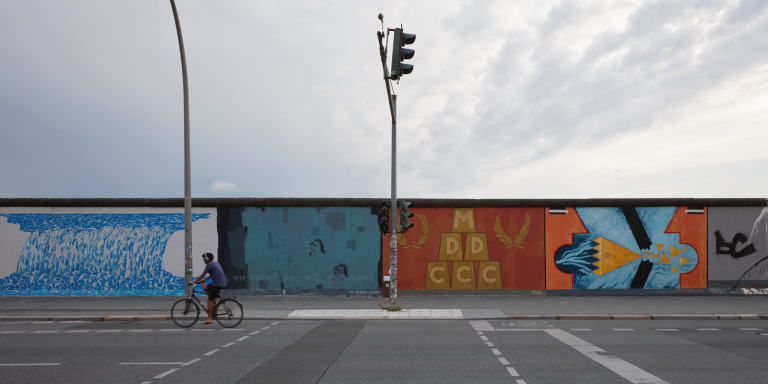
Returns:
point(507, 99)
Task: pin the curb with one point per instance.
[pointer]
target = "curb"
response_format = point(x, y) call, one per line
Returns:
point(532, 317)
point(575, 316)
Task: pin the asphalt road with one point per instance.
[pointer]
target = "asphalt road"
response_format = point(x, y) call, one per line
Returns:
point(379, 351)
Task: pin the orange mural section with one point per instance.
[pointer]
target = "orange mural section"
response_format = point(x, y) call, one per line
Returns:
point(560, 228)
point(693, 231)
point(471, 249)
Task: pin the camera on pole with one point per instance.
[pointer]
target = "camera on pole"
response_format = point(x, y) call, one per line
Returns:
point(384, 217)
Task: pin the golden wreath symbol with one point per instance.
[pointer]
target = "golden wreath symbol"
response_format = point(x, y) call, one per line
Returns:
point(424, 232)
point(520, 236)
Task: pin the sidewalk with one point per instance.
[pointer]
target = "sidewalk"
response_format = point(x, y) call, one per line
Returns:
point(488, 307)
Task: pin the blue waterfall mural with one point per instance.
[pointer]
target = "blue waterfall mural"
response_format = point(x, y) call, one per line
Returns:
point(94, 255)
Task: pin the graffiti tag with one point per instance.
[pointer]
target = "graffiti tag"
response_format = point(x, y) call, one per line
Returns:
point(724, 248)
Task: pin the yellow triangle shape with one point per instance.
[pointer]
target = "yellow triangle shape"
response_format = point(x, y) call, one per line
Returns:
point(675, 269)
point(611, 256)
point(683, 260)
point(655, 255)
point(685, 248)
point(674, 251)
point(659, 247)
point(664, 259)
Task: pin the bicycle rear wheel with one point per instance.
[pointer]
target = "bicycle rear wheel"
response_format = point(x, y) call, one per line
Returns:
point(185, 312)
point(229, 313)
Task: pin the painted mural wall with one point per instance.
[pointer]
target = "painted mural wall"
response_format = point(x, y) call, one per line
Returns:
point(99, 252)
point(300, 248)
point(471, 249)
point(738, 248)
point(626, 248)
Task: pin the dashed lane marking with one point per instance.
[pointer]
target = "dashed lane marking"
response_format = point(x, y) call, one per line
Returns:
point(751, 329)
point(480, 333)
point(153, 363)
point(503, 361)
point(29, 365)
point(202, 330)
point(520, 381)
point(242, 338)
point(253, 333)
point(275, 323)
point(45, 332)
point(512, 371)
point(484, 338)
point(708, 329)
point(212, 352)
point(109, 331)
point(79, 331)
point(171, 330)
point(166, 373)
point(228, 345)
point(488, 343)
point(495, 351)
point(623, 330)
point(668, 330)
point(233, 329)
point(190, 362)
point(623, 368)
point(13, 332)
point(139, 330)
point(267, 327)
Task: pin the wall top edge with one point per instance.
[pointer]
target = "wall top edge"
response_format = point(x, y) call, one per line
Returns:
point(371, 202)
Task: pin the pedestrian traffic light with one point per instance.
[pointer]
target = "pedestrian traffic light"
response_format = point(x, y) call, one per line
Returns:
point(404, 216)
point(384, 217)
point(399, 54)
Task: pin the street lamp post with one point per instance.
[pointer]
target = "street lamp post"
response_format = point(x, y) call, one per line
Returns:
point(187, 164)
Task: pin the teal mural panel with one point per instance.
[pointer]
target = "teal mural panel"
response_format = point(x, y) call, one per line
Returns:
point(300, 248)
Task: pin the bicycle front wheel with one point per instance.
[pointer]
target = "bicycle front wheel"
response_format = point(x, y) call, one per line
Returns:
point(229, 313)
point(185, 312)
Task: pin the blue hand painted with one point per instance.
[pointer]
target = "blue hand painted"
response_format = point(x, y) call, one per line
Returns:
point(94, 254)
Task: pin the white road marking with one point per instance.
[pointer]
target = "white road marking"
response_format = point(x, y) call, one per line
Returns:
point(520, 330)
point(480, 333)
point(14, 322)
point(624, 329)
point(624, 369)
point(153, 363)
point(71, 322)
point(190, 362)
point(751, 329)
point(78, 331)
point(228, 345)
point(485, 338)
point(267, 327)
point(275, 323)
point(212, 352)
point(109, 331)
point(42, 322)
point(580, 329)
point(495, 351)
point(45, 332)
point(488, 343)
point(140, 330)
point(242, 338)
point(516, 381)
point(253, 333)
point(28, 365)
point(503, 361)
point(147, 382)
point(512, 371)
point(708, 329)
point(13, 332)
point(171, 330)
point(166, 373)
point(481, 325)
point(668, 330)
point(233, 329)
point(202, 330)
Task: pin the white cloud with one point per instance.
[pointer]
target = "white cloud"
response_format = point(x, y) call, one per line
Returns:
point(225, 186)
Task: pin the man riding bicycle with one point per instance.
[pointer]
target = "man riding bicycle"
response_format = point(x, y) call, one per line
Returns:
point(216, 273)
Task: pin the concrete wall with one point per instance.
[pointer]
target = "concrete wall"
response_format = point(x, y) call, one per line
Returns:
point(332, 246)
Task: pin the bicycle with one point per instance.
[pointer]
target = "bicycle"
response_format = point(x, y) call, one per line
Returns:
point(227, 311)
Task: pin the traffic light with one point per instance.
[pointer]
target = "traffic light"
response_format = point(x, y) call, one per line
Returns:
point(384, 217)
point(399, 54)
point(404, 216)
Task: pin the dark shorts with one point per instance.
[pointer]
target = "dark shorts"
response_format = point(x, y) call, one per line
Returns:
point(213, 292)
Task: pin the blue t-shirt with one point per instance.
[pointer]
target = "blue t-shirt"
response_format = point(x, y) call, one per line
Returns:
point(217, 274)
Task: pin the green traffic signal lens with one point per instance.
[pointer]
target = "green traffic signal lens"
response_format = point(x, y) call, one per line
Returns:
point(407, 38)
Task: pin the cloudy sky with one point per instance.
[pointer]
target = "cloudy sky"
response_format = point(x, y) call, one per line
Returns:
point(538, 99)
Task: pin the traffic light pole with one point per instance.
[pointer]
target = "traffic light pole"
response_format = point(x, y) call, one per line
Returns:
point(393, 228)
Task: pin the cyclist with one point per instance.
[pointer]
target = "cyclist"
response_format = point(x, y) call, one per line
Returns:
point(219, 281)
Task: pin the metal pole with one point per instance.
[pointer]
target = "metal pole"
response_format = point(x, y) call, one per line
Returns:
point(187, 164)
point(395, 224)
